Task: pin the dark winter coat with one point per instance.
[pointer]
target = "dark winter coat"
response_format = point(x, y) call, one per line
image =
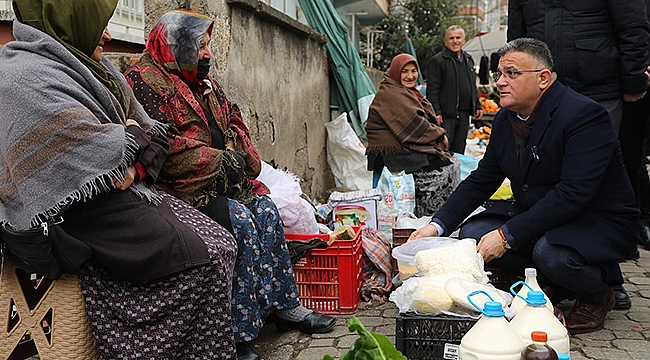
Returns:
point(442, 82)
point(599, 46)
point(572, 186)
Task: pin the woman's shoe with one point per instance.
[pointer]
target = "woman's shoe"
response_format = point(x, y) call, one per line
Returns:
point(245, 352)
point(314, 323)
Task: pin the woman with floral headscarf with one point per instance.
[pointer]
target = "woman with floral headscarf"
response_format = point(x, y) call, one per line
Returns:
point(210, 165)
point(403, 135)
point(75, 142)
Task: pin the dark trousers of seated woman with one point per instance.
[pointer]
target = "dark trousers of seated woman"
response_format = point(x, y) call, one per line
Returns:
point(557, 265)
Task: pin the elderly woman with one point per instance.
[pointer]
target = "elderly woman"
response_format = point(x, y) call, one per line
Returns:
point(403, 136)
point(210, 165)
point(75, 142)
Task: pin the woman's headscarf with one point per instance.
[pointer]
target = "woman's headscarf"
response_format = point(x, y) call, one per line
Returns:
point(397, 64)
point(175, 40)
point(77, 25)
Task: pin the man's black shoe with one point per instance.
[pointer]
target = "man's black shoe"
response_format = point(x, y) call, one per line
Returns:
point(644, 236)
point(622, 299)
point(314, 323)
point(245, 352)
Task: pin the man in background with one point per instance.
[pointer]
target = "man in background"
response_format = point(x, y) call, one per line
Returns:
point(451, 88)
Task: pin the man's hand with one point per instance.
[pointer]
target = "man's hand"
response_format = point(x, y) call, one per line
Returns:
point(491, 246)
point(633, 97)
point(129, 177)
point(479, 114)
point(427, 231)
point(439, 119)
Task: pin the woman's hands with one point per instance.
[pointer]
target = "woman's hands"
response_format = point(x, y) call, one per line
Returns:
point(444, 144)
point(129, 178)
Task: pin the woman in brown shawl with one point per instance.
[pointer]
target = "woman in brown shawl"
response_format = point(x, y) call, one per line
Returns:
point(403, 136)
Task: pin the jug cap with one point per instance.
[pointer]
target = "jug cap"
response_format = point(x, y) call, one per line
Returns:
point(536, 298)
point(493, 309)
point(539, 336)
point(563, 357)
point(530, 272)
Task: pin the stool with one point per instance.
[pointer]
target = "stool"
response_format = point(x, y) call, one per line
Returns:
point(52, 312)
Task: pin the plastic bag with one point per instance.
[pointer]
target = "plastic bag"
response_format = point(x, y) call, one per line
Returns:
point(386, 219)
point(297, 213)
point(459, 256)
point(346, 156)
point(398, 190)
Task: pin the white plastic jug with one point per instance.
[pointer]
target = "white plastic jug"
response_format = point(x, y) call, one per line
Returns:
point(535, 317)
point(531, 280)
point(492, 337)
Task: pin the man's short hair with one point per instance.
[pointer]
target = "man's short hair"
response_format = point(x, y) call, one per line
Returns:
point(454, 27)
point(535, 48)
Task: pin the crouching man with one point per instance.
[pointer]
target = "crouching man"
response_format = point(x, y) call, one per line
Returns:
point(574, 216)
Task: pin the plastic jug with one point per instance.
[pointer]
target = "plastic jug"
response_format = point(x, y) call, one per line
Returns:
point(535, 317)
point(539, 349)
point(491, 338)
point(531, 280)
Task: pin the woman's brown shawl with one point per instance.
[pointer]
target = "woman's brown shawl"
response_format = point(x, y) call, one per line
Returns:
point(398, 121)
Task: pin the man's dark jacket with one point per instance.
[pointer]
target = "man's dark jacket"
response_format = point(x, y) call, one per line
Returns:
point(442, 82)
point(599, 46)
point(575, 190)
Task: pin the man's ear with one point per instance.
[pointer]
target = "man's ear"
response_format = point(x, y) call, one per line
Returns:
point(545, 79)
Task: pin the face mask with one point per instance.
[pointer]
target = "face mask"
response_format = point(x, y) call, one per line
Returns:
point(203, 69)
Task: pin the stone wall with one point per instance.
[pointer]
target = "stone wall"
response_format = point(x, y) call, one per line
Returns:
point(275, 69)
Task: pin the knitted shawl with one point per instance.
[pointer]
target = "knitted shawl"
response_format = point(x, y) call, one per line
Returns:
point(62, 132)
point(399, 120)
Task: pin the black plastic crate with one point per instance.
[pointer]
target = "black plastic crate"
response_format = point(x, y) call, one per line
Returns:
point(501, 279)
point(422, 337)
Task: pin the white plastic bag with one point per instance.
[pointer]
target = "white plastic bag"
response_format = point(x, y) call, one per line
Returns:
point(297, 213)
point(346, 156)
point(398, 190)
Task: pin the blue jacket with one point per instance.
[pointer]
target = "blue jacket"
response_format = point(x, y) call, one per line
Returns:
point(573, 186)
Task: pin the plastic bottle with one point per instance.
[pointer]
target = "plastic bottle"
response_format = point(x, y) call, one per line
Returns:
point(539, 349)
point(531, 280)
point(491, 338)
point(563, 357)
point(535, 317)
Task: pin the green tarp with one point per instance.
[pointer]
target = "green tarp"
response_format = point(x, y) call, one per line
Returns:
point(353, 90)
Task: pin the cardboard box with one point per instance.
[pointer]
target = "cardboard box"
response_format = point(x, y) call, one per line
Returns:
point(355, 213)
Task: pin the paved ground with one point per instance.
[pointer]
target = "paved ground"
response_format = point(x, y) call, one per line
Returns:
point(626, 335)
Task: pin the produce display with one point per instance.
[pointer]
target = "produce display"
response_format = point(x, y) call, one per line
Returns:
point(489, 105)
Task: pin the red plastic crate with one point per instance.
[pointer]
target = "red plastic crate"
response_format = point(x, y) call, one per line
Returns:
point(329, 279)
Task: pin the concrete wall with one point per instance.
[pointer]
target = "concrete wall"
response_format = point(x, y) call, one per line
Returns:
point(275, 69)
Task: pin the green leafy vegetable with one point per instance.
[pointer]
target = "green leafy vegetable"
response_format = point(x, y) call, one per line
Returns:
point(369, 345)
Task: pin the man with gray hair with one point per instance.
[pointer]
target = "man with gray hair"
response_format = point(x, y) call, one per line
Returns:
point(451, 88)
point(574, 216)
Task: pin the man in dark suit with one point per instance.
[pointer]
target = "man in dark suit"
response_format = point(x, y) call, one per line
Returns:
point(574, 216)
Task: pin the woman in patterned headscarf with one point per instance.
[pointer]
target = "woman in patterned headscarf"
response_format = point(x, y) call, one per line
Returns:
point(210, 165)
point(75, 142)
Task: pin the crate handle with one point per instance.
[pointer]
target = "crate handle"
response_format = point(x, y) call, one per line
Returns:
point(512, 289)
